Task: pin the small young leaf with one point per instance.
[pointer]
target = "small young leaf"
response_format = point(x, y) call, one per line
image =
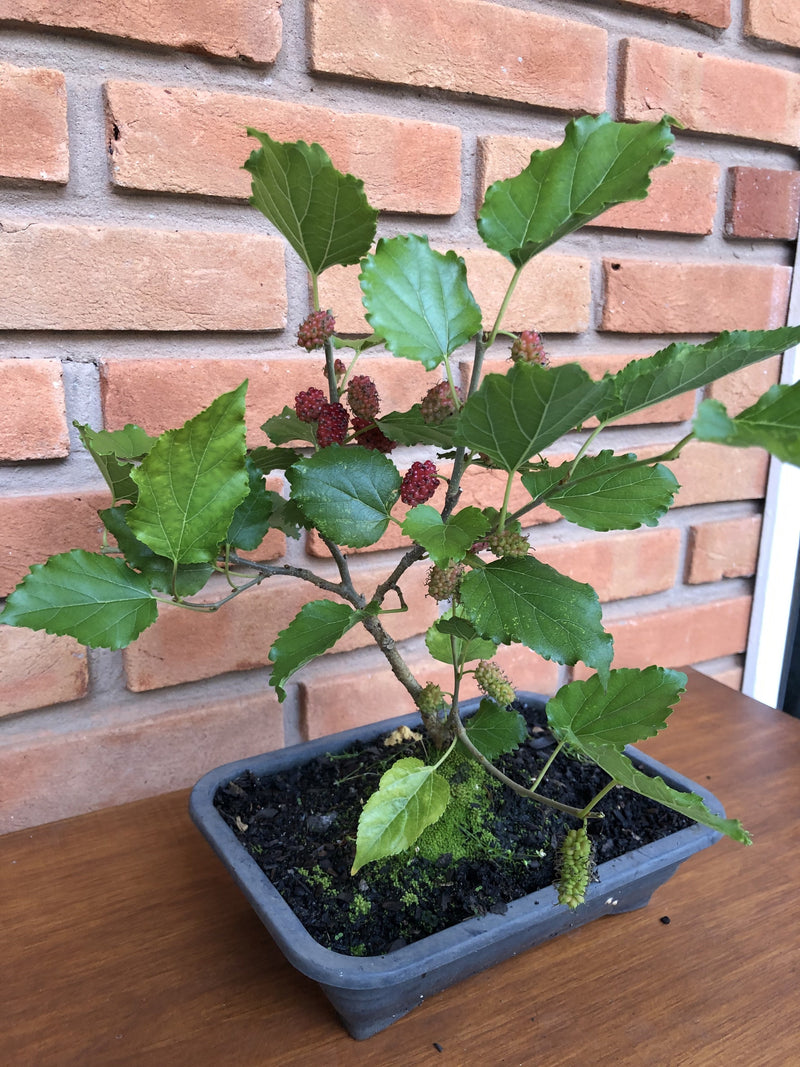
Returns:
point(409, 428)
point(773, 423)
point(347, 492)
point(117, 474)
point(159, 571)
point(469, 646)
point(449, 541)
point(96, 599)
point(410, 797)
point(494, 730)
point(131, 442)
point(322, 213)
point(286, 427)
point(251, 520)
point(316, 628)
point(418, 299)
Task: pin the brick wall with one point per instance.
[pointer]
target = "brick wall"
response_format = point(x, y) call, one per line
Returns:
point(136, 284)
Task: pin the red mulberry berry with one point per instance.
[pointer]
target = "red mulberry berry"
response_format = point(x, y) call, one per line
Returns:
point(438, 403)
point(309, 404)
point(315, 330)
point(362, 395)
point(528, 348)
point(370, 436)
point(333, 424)
point(420, 483)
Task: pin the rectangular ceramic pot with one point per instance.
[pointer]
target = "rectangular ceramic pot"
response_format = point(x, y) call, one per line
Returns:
point(371, 992)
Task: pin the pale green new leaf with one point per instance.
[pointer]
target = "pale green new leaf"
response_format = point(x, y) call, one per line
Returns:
point(409, 428)
point(316, 628)
point(410, 797)
point(418, 299)
point(449, 541)
point(494, 731)
point(514, 416)
point(96, 599)
point(160, 572)
point(525, 600)
point(682, 367)
point(600, 163)
point(191, 483)
point(773, 422)
point(469, 647)
point(346, 492)
point(321, 212)
point(607, 492)
point(251, 520)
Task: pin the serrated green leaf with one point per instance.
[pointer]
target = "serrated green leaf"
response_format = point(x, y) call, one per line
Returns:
point(409, 428)
point(251, 520)
point(418, 299)
point(347, 492)
point(286, 516)
point(469, 647)
point(316, 628)
point(525, 600)
point(448, 541)
point(681, 367)
point(322, 213)
point(131, 442)
point(286, 427)
point(192, 481)
point(272, 459)
point(514, 416)
point(633, 705)
point(773, 423)
point(600, 163)
point(609, 492)
point(410, 797)
point(117, 474)
point(96, 599)
point(494, 731)
point(160, 572)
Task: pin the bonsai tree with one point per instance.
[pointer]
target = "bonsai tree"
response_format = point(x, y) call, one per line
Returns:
point(186, 503)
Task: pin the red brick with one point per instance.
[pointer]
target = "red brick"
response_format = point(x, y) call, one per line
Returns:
point(553, 293)
point(710, 473)
point(179, 140)
point(37, 669)
point(35, 141)
point(710, 93)
point(763, 203)
point(533, 58)
point(33, 422)
point(682, 197)
point(647, 297)
point(248, 29)
point(773, 20)
point(739, 390)
point(114, 278)
point(711, 12)
point(727, 548)
point(35, 527)
point(125, 753)
point(619, 565)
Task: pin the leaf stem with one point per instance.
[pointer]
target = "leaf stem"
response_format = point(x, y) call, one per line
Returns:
point(547, 765)
point(587, 811)
point(504, 306)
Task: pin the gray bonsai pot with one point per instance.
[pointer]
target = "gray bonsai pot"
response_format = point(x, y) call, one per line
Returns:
point(370, 993)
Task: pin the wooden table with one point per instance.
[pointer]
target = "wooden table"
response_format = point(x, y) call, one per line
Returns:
point(125, 942)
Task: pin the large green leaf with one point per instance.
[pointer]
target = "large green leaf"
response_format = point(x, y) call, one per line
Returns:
point(347, 492)
point(192, 481)
point(599, 164)
point(633, 705)
point(251, 520)
point(494, 730)
point(322, 213)
point(445, 541)
point(418, 299)
point(450, 629)
point(161, 573)
point(96, 599)
point(525, 600)
point(514, 416)
point(773, 422)
point(409, 428)
point(410, 796)
point(681, 367)
point(316, 628)
point(610, 492)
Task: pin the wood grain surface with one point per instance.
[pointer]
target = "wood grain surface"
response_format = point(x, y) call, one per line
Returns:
point(123, 941)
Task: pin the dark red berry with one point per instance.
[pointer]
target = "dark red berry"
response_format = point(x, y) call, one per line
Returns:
point(528, 348)
point(438, 403)
point(362, 395)
point(419, 483)
point(370, 436)
point(315, 330)
point(333, 424)
point(309, 404)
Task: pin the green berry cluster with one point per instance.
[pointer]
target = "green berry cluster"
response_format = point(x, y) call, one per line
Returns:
point(508, 543)
point(431, 699)
point(494, 683)
point(576, 856)
point(443, 581)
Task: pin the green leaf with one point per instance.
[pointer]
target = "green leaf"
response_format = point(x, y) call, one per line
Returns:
point(191, 483)
point(286, 516)
point(96, 599)
point(251, 520)
point(514, 416)
point(316, 628)
point(418, 299)
point(409, 428)
point(632, 706)
point(347, 492)
point(525, 600)
point(494, 731)
point(322, 213)
point(682, 367)
point(449, 541)
point(272, 459)
point(773, 422)
point(599, 164)
point(281, 429)
point(609, 492)
point(410, 797)
point(469, 646)
point(159, 571)
point(101, 445)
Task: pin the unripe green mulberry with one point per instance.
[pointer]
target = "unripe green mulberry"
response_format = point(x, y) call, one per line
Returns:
point(576, 862)
point(494, 683)
point(430, 699)
point(508, 543)
point(443, 581)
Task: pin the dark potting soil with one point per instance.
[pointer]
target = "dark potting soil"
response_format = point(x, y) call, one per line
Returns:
point(300, 826)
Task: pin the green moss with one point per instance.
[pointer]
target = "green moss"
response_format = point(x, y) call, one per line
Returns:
point(464, 828)
point(360, 906)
